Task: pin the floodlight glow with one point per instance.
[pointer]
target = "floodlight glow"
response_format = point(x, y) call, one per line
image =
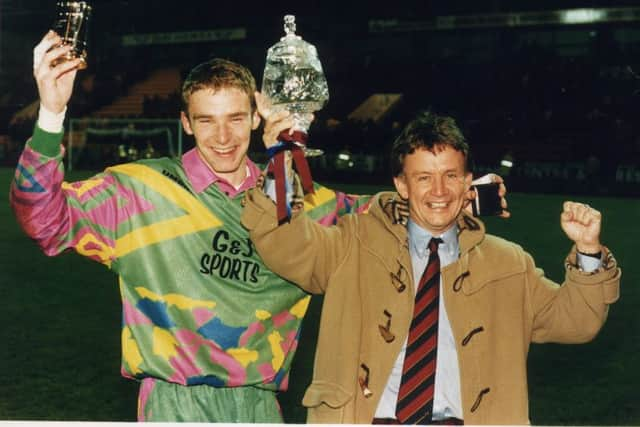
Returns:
point(582, 16)
point(343, 156)
point(506, 163)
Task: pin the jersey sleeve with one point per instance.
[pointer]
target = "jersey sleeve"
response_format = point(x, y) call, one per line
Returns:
point(59, 215)
point(325, 206)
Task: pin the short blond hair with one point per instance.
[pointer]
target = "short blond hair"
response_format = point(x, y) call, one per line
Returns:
point(217, 74)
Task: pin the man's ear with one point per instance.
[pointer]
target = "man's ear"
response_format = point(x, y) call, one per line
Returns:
point(468, 179)
point(186, 124)
point(256, 120)
point(401, 186)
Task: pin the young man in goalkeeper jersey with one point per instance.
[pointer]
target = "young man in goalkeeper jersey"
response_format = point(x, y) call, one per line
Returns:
point(208, 330)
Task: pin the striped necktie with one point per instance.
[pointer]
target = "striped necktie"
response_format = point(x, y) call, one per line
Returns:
point(415, 397)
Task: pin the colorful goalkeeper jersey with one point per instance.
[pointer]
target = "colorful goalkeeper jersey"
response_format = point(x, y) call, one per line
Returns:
point(199, 305)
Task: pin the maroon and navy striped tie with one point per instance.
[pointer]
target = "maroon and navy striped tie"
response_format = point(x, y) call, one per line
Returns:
point(415, 398)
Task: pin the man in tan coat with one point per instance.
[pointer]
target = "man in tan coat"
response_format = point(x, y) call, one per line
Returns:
point(493, 301)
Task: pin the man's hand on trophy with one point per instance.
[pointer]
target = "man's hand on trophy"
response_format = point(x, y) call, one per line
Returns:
point(55, 83)
point(275, 120)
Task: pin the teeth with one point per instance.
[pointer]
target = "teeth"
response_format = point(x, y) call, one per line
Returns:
point(438, 205)
point(223, 150)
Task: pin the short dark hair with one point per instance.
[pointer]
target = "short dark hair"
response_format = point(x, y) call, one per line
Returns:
point(431, 132)
point(217, 74)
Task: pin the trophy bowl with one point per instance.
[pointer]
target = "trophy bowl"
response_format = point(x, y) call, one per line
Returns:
point(293, 80)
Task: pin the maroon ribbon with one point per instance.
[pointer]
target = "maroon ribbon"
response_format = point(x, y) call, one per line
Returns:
point(295, 143)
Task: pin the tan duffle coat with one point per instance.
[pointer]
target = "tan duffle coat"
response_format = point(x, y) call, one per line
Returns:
point(497, 301)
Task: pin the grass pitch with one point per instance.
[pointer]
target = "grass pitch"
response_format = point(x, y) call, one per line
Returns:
point(61, 318)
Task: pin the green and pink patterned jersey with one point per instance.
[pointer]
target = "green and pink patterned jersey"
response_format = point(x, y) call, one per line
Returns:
point(199, 305)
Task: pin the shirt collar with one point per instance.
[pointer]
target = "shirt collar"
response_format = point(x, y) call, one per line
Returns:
point(201, 176)
point(419, 239)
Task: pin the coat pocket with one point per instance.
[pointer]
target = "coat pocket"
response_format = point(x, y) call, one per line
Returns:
point(326, 402)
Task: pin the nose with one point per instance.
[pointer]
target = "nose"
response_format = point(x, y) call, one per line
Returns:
point(438, 187)
point(224, 134)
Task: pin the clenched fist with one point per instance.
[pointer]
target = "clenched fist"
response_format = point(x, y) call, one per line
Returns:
point(582, 224)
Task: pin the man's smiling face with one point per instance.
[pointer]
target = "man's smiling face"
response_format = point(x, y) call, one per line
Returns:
point(435, 183)
point(221, 122)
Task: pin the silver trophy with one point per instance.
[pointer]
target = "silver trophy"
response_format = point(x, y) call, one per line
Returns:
point(293, 80)
point(72, 25)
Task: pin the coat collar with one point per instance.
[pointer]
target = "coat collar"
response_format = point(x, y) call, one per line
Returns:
point(393, 212)
point(471, 232)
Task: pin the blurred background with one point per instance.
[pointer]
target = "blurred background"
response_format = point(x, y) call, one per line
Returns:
point(548, 93)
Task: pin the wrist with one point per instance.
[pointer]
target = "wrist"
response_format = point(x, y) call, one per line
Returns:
point(50, 121)
point(589, 250)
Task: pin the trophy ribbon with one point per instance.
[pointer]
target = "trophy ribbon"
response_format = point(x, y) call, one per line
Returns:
point(294, 143)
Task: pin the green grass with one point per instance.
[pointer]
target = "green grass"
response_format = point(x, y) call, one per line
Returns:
point(60, 334)
point(60, 317)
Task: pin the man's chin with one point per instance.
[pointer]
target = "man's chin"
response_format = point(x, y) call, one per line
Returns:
point(226, 166)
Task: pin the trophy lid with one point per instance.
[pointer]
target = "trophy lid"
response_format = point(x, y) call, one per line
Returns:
point(290, 27)
point(293, 73)
point(292, 49)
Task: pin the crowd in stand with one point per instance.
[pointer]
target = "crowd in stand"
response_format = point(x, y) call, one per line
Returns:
point(566, 125)
point(568, 122)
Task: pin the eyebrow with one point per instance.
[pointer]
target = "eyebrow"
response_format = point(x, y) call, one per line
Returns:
point(433, 173)
point(239, 114)
point(230, 115)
